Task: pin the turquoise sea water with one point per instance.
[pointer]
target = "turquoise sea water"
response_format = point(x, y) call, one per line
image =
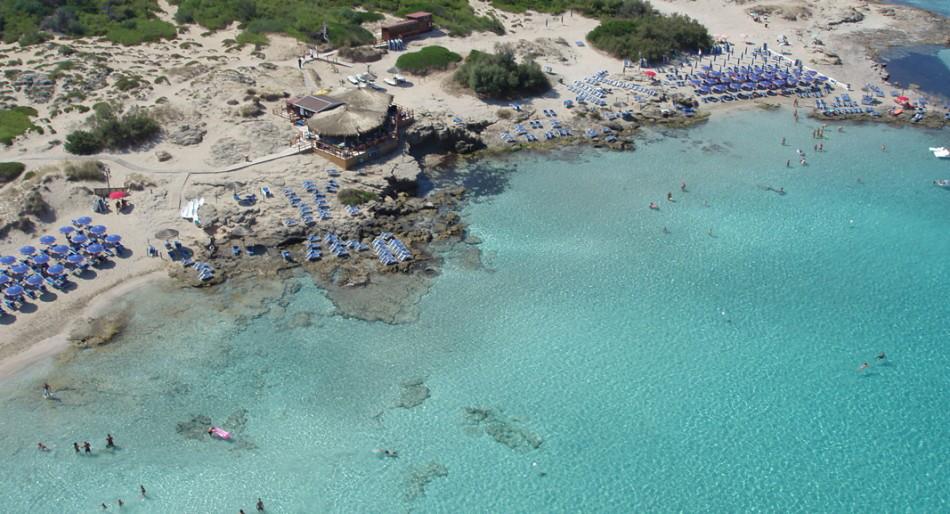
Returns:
point(711, 367)
point(937, 6)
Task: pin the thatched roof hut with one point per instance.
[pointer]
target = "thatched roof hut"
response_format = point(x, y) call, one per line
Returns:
point(362, 111)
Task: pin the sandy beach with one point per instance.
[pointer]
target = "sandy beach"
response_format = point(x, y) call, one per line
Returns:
point(200, 85)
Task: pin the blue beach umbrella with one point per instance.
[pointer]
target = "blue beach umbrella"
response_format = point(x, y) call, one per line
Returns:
point(34, 280)
point(113, 238)
point(19, 269)
point(14, 290)
point(94, 248)
point(41, 259)
point(80, 239)
point(83, 220)
point(47, 240)
point(5, 280)
point(98, 230)
point(59, 249)
point(66, 230)
point(7, 260)
point(74, 258)
point(27, 250)
point(56, 269)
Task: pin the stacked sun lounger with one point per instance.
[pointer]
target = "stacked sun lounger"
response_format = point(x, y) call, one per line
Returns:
point(204, 270)
point(313, 250)
point(336, 245)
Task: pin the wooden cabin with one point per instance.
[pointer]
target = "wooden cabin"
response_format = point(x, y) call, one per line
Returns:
point(415, 23)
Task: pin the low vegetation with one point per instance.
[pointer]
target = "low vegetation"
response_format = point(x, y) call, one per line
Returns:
point(355, 196)
point(84, 171)
point(427, 60)
point(498, 75)
point(9, 171)
point(632, 29)
point(33, 21)
point(16, 121)
point(112, 130)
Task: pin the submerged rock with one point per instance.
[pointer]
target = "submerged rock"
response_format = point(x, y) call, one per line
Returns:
point(503, 429)
point(194, 428)
point(91, 332)
point(421, 476)
point(414, 393)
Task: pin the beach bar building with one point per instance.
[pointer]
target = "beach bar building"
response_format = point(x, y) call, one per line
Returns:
point(307, 106)
point(414, 24)
point(352, 126)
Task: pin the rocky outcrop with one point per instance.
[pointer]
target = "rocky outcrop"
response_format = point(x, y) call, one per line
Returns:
point(428, 136)
point(38, 87)
point(843, 15)
point(187, 134)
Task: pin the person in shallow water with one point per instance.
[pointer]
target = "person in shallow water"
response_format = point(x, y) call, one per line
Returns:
point(110, 443)
point(260, 505)
point(864, 366)
point(86, 446)
point(142, 490)
point(47, 390)
point(881, 356)
point(669, 197)
point(683, 186)
point(42, 447)
point(654, 206)
point(76, 447)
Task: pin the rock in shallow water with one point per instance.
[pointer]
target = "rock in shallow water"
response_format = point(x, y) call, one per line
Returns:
point(421, 476)
point(414, 392)
point(503, 429)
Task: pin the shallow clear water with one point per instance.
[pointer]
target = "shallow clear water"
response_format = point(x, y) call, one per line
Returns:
point(710, 368)
point(937, 6)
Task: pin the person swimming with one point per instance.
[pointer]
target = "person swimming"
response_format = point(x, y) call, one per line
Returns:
point(669, 197)
point(864, 366)
point(654, 206)
point(881, 356)
point(385, 452)
point(683, 186)
point(42, 447)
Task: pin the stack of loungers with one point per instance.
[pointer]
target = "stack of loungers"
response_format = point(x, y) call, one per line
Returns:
point(205, 271)
point(336, 245)
point(314, 253)
point(390, 250)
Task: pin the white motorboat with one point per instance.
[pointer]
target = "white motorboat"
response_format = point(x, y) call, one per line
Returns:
point(944, 183)
point(941, 152)
point(391, 81)
point(352, 79)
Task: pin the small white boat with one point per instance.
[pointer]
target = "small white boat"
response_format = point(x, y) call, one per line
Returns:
point(941, 152)
point(944, 183)
point(352, 79)
point(391, 81)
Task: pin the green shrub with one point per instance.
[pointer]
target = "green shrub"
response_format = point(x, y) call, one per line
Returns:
point(140, 31)
point(16, 121)
point(252, 38)
point(126, 82)
point(112, 131)
point(499, 76)
point(355, 196)
point(82, 142)
point(634, 30)
point(9, 171)
point(93, 171)
point(427, 60)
